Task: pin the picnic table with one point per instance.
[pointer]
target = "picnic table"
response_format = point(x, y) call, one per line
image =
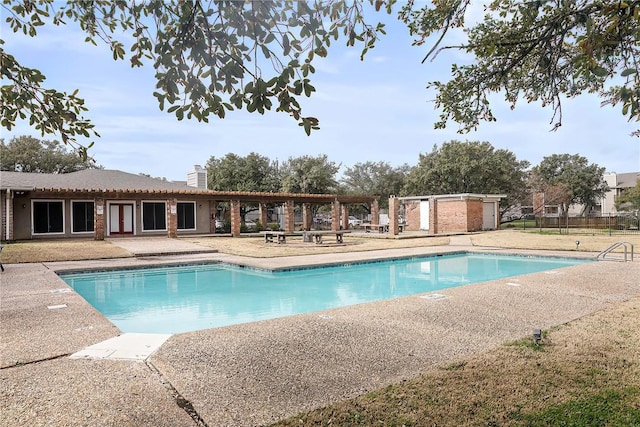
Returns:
point(380, 227)
point(280, 235)
point(318, 234)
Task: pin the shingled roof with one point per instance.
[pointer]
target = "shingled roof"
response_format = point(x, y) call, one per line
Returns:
point(627, 180)
point(89, 180)
point(113, 181)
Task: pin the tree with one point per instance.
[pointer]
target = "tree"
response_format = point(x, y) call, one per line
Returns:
point(379, 178)
point(251, 173)
point(469, 167)
point(209, 57)
point(28, 154)
point(214, 57)
point(534, 51)
point(235, 173)
point(583, 182)
point(309, 175)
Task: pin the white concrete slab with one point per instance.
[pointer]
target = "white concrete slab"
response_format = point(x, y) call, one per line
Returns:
point(132, 346)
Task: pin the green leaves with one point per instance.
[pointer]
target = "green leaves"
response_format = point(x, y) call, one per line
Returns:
point(49, 111)
point(28, 154)
point(209, 57)
point(531, 51)
point(468, 167)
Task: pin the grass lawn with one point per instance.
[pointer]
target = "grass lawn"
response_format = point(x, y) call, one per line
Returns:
point(60, 250)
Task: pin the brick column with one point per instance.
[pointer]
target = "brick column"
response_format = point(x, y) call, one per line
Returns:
point(289, 218)
point(7, 218)
point(172, 218)
point(433, 216)
point(263, 214)
point(394, 206)
point(307, 220)
point(335, 215)
point(98, 219)
point(345, 216)
point(235, 218)
point(375, 212)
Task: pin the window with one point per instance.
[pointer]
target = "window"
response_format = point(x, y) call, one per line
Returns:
point(81, 217)
point(48, 217)
point(154, 216)
point(186, 216)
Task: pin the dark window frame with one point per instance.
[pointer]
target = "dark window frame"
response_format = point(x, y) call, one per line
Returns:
point(54, 223)
point(88, 216)
point(154, 216)
point(183, 216)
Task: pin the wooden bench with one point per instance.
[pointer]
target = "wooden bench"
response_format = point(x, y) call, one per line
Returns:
point(317, 235)
point(280, 235)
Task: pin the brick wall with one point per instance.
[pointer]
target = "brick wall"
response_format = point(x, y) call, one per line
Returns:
point(452, 216)
point(474, 215)
point(412, 215)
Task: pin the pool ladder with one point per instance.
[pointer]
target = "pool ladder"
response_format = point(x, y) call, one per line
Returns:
point(601, 256)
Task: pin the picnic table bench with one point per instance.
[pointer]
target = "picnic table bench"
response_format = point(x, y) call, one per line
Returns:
point(380, 227)
point(280, 235)
point(317, 235)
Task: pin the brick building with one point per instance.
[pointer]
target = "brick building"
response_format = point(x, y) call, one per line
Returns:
point(102, 203)
point(449, 213)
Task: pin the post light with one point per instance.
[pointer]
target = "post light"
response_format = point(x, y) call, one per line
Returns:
point(537, 336)
point(577, 244)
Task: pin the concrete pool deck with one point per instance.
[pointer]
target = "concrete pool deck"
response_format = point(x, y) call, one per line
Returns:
point(257, 373)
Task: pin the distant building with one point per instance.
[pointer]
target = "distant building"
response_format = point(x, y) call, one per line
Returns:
point(617, 182)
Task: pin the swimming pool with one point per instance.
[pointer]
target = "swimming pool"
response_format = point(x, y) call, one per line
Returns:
point(189, 298)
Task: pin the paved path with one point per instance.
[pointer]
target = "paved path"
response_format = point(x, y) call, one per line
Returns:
point(153, 246)
point(257, 373)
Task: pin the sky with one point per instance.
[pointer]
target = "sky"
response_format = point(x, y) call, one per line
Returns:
point(375, 110)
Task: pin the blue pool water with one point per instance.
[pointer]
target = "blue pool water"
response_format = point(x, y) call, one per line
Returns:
point(189, 298)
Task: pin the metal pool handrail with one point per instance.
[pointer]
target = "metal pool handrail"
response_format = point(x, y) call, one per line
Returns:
point(601, 256)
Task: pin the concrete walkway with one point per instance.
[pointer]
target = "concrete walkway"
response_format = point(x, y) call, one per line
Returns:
point(257, 373)
point(154, 246)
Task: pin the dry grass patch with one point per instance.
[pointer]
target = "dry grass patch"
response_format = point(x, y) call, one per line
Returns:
point(256, 246)
point(60, 250)
point(585, 373)
point(515, 239)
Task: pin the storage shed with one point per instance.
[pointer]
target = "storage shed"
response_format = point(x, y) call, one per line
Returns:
point(450, 213)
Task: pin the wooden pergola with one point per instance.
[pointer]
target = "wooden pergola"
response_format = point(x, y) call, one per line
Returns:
point(339, 204)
